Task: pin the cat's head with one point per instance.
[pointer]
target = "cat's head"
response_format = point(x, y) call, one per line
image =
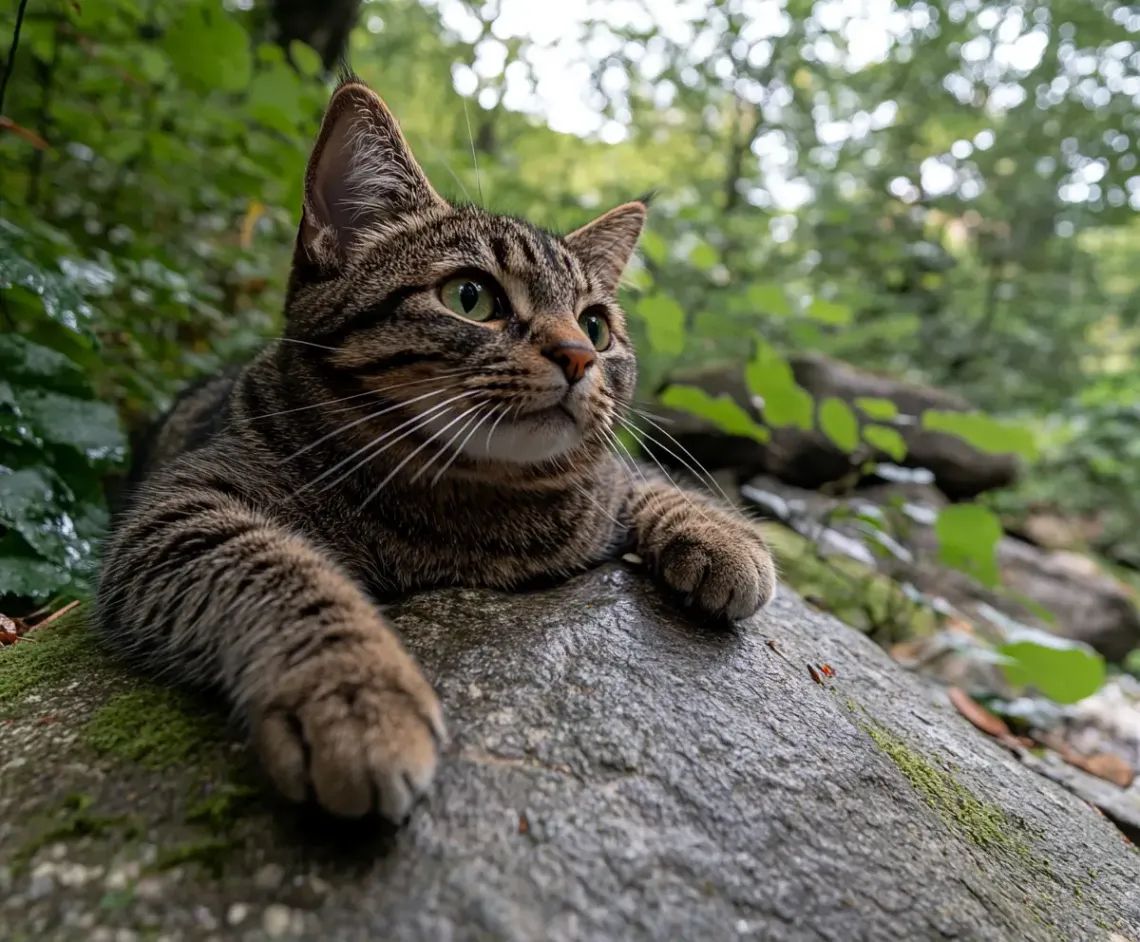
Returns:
point(507, 340)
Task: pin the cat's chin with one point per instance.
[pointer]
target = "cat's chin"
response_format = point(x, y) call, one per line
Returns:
point(530, 439)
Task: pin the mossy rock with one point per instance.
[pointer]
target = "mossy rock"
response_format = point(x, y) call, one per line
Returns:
point(615, 772)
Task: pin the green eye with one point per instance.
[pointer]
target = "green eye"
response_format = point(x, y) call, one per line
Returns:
point(469, 298)
point(596, 328)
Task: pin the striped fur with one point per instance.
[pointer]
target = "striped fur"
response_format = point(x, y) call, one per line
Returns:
point(389, 444)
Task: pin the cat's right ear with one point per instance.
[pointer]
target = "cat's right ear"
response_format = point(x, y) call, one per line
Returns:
point(361, 179)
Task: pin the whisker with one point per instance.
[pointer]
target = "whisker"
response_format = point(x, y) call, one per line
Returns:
point(703, 474)
point(652, 415)
point(307, 343)
point(593, 500)
point(635, 432)
point(447, 374)
point(396, 470)
point(422, 418)
point(443, 450)
point(494, 426)
point(437, 155)
point(463, 444)
point(367, 418)
point(474, 157)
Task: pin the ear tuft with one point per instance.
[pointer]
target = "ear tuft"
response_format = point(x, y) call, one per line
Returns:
point(362, 176)
point(606, 245)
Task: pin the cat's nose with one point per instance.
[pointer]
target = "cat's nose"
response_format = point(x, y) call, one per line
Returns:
point(572, 358)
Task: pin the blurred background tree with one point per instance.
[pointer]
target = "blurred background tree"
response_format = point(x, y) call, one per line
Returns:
point(943, 192)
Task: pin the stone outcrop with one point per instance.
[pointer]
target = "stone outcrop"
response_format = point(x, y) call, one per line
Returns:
point(616, 773)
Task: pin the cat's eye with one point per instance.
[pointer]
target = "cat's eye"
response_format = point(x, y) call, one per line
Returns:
point(596, 327)
point(469, 297)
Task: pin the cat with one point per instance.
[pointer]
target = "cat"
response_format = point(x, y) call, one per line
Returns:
point(439, 412)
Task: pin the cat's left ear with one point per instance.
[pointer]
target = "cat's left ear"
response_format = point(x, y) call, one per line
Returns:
point(606, 245)
point(362, 178)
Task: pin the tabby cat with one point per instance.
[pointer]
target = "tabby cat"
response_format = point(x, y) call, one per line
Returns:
point(440, 411)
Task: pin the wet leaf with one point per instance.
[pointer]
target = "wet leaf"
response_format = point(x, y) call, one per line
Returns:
point(664, 323)
point(886, 440)
point(838, 423)
point(983, 432)
point(967, 539)
point(722, 411)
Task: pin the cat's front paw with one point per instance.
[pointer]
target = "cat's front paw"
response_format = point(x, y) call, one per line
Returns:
point(721, 567)
point(357, 727)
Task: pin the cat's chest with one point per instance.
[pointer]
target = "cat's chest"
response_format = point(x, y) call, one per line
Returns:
point(493, 542)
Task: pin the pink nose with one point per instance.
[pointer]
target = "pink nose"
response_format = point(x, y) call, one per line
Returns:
point(573, 359)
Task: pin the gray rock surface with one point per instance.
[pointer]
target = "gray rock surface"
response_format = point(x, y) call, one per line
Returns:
point(616, 773)
point(1088, 603)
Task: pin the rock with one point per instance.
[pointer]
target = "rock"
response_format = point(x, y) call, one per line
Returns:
point(808, 459)
point(1088, 604)
point(615, 773)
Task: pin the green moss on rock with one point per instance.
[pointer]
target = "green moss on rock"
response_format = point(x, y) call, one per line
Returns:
point(984, 824)
point(54, 654)
point(155, 727)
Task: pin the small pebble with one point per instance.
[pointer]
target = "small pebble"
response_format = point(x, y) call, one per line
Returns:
point(73, 875)
point(150, 889)
point(276, 920)
point(237, 914)
point(269, 877)
point(205, 918)
point(41, 886)
point(116, 881)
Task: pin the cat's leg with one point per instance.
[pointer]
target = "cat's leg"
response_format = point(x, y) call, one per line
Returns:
point(203, 589)
point(713, 558)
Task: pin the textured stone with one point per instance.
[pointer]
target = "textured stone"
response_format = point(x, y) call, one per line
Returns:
point(615, 773)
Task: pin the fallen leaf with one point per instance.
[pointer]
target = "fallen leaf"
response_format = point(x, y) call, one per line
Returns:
point(1111, 768)
point(1104, 765)
point(977, 714)
point(959, 625)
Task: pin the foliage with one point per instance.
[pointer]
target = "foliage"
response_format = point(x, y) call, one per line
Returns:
point(944, 193)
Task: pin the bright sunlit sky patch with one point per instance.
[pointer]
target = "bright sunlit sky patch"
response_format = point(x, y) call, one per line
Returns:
point(558, 87)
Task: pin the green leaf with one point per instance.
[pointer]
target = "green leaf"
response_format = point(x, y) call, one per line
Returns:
point(838, 422)
point(209, 49)
point(275, 98)
point(90, 427)
point(769, 299)
point(656, 249)
point(34, 364)
point(58, 296)
point(704, 256)
point(1062, 670)
point(664, 323)
point(153, 64)
point(886, 440)
point(29, 577)
point(722, 411)
point(967, 538)
point(983, 432)
point(828, 312)
point(305, 58)
point(769, 376)
point(881, 409)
